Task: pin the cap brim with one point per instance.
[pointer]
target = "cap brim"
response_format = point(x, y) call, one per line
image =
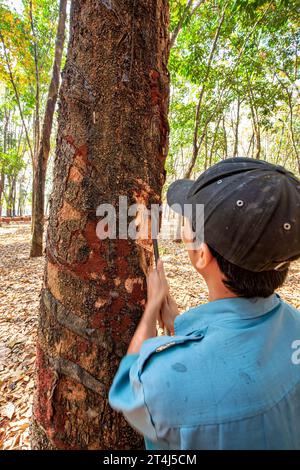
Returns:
point(177, 194)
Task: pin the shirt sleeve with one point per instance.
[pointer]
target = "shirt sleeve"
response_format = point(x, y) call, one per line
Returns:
point(127, 395)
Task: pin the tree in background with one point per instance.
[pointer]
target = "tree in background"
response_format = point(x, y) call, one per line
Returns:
point(12, 157)
point(226, 97)
point(112, 140)
point(31, 45)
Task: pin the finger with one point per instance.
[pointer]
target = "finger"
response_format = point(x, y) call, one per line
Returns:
point(160, 265)
point(161, 270)
point(160, 321)
point(152, 275)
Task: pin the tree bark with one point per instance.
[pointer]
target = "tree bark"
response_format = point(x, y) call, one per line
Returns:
point(41, 159)
point(112, 140)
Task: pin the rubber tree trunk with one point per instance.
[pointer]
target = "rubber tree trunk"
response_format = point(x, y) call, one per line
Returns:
point(41, 159)
point(112, 140)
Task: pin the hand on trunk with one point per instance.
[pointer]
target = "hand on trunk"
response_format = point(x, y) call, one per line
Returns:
point(168, 313)
point(157, 290)
point(157, 286)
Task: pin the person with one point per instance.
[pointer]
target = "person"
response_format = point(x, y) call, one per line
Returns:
point(227, 376)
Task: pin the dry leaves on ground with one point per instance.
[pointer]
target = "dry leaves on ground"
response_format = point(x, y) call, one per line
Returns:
point(21, 279)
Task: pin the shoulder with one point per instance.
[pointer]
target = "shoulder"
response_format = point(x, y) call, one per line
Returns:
point(162, 347)
point(295, 312)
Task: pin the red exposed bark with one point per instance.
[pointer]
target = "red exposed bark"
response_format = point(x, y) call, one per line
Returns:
point(118, 329)
point(45, 385)
point(98, 321)
point(155, 92)
point(123, 247)
point(70, 139)
point(137, 293)
point(123, 269)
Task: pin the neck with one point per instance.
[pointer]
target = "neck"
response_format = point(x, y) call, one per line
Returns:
point(217, 290)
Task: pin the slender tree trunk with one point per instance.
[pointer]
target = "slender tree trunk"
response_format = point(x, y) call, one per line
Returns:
point(250, 145)
point(19, 208)
point(41, 159)
point(205, 151)
point(13, 196)
point(256, 134)
point(256, 125)
point(212, 147)
point(36, 129)
point(112, 140)
point(258, 141)
point(2, 182)
point(280, 144)
point(36, 121)
point(236, 131)
point(225, 139)
point(2, 178)
point(9, 197)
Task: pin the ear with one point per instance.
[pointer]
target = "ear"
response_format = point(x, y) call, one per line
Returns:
point(204, 257)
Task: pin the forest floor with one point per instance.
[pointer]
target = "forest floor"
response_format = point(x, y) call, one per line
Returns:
point(20, 284)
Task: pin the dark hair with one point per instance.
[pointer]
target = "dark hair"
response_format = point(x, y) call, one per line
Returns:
point(246, 283)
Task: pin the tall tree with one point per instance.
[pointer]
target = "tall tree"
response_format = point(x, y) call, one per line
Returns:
point(42, 155)
point(112, 140)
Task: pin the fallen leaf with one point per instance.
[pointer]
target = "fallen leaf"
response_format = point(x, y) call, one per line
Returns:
point(8, 410)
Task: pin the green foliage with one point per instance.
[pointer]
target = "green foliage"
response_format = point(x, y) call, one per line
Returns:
point(27, 41)
point(20, 35)
point(11, 163)
point(230, 54)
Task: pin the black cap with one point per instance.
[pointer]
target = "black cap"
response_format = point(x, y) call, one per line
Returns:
point(251, 211)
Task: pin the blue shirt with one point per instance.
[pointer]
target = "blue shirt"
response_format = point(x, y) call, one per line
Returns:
point(228, 379)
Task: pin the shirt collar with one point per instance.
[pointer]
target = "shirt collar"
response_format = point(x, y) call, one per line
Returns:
point(235, 308)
